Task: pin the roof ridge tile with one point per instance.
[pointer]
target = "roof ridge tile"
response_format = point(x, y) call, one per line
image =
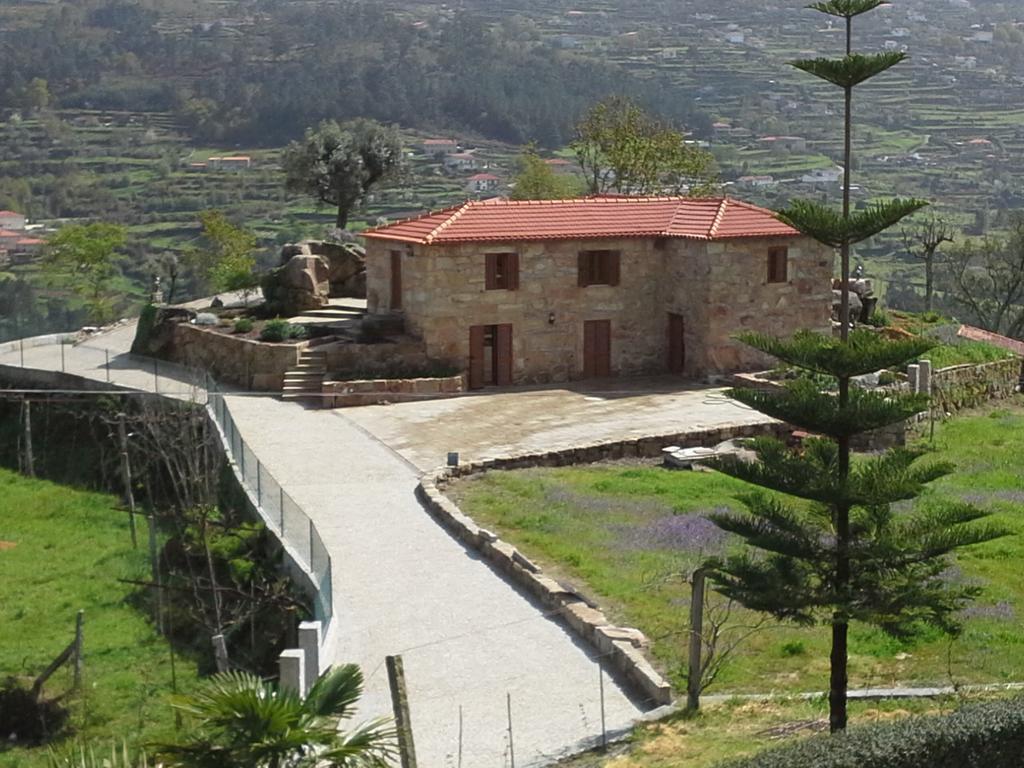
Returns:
point(436, 231)
point(719, 216)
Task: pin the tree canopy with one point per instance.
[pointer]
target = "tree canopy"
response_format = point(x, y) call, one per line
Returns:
point(338, 163)
point(624, 149)
point(81, 258)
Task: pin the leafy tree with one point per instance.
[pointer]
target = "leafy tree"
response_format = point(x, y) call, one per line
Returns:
point(922, 242)
point(339, 163)
point(987, 280)
point(536, 180)
point(227, 263)
point(844, 554)
point(621, 148)
point(81, 258)
point(242, 722)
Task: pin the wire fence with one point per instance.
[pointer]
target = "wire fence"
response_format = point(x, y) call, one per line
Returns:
point(279, 511)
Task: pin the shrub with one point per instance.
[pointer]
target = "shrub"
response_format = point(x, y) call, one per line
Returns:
point(880, 319)
point(988, 735)
point(794, 648)
point(281, 330)
point(243, 325)
point(887, 378)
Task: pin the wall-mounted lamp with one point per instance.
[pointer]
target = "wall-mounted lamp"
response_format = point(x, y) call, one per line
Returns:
point(551, 318)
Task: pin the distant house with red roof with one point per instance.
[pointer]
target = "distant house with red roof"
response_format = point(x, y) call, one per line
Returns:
point(538, 291)
point(229, 163)
point(439, 146)
point(482, 183)
point(12, 220)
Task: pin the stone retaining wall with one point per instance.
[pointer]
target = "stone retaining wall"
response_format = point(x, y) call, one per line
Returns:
point(622, 646)
point(255, 365)
point(342, 357)
point(345, 394)
point(967, 386)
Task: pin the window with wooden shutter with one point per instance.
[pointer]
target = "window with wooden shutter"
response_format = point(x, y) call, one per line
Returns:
point(598, 268)
point(778, 265)
point(501, 271)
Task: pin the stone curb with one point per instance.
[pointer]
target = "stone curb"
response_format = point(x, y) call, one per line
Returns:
point(622, 646)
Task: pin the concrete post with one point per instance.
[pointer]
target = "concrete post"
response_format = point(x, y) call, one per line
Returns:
point(914, 378)
point(696, 641)
point(924, 377)
point(291, 668)
point(310, 634)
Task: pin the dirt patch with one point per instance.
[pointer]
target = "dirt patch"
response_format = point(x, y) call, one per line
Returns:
point(7, 545)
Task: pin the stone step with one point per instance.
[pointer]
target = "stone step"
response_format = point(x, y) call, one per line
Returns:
point(305, 373)
point(298, 390)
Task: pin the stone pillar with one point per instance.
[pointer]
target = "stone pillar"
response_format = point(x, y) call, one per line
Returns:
point(291, 668)
point(914, 377)
point(924, 377)
point(310, 637)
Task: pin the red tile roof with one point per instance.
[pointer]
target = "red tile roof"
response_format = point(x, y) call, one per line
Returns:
point(500, 220)
point(977, 334)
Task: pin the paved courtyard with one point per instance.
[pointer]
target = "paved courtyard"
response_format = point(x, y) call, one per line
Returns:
point(497, 423)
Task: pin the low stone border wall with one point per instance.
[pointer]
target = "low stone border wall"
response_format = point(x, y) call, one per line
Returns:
point(622, 646)
point(967, 386)
point(345, 394)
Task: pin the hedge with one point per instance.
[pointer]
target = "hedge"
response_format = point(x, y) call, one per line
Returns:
point(985, 735)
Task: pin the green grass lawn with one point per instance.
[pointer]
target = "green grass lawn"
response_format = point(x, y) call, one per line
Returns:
point(623, 533)
point(62, 550)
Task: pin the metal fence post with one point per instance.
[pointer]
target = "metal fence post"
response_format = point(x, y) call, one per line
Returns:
point(156, 376)
point(107, 353)
point(311, 532)
point(280, 493)
point(62, 355)
point(21, 348)
point(241, 459)
point(259, 484)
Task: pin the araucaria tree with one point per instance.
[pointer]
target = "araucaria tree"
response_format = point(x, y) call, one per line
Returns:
point(339, 163)
point(844, 553)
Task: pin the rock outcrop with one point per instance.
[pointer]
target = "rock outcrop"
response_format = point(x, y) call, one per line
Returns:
point(299, 284)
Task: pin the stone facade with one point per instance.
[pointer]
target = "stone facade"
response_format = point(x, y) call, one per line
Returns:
point(718, 287)
point(346, 394)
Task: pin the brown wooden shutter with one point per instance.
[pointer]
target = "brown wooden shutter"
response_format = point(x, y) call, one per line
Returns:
point(491, 271)
point(614, 260)
point(513, 271)
point(503, 355)
point(583, 267)
point(476, 356)
point(396, 280)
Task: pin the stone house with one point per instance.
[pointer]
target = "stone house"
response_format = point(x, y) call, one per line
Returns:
point(520, 292)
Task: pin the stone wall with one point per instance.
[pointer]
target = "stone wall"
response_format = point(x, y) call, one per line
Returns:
point(719, 288)
point(357, 392)
point(345, 357)
point(255, 365)
point(968, 386)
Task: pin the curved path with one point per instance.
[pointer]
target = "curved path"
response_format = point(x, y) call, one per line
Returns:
point(477, 651)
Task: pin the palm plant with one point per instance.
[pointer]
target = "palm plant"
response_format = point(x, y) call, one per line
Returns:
point(240, 721)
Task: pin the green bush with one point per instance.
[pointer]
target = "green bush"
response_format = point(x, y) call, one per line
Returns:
point(880, 319)
point(887, 378)
point(243, 325)
point(281, 330)
point(988, 735)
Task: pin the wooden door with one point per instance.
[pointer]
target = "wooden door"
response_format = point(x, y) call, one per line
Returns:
point(396, 280)
point(676, 343)
point(597, 348)
point(503, 355)
point(476, 356)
